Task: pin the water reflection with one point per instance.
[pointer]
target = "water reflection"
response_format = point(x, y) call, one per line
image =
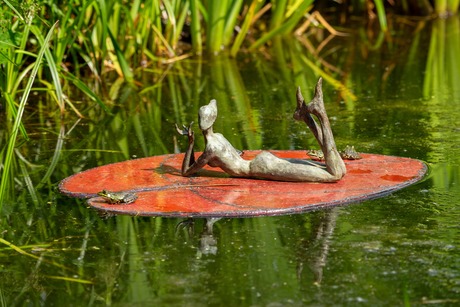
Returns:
point(313, 251)
point(208, 243)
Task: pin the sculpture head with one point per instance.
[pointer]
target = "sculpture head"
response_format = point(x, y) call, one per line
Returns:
point(208, 115)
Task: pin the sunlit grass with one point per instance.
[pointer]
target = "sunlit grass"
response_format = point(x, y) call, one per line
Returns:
point(446, 7)
point(442, 63)
point(18, 118)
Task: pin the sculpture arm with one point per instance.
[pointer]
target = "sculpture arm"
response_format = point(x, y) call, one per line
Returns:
point(189, 168)
point(189, 158)
point(189, 165)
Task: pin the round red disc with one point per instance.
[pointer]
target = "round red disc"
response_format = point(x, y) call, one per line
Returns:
point(162, 191)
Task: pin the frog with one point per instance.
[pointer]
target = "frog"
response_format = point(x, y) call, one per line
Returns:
point(349, 153)
point(118, 197)
point(316, 154)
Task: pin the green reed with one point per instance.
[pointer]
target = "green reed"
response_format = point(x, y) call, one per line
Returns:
point(109, 36)
point(442, 62)
point(446, 7)
point(8, 155)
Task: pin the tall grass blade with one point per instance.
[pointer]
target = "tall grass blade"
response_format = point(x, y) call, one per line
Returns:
point(440, 6)
point(453, 6)
point(28, 182)
point(17, 121)
point(232, 18)
point(23, 252)
point(244, 28)
point(14, 9)
point(2, 299)
point(217, 16)
point(103, 13)
point(286, 27)
point(180, 23)
point(346, 93)
point(15, 60)
point(279, 8)
point(197, 40)
point(380, 7)
point(172, 23)
point(56, 156)
point(53, 69)
point(71, 279)
point(85, 89)
point(124, 66)
point(12, 107)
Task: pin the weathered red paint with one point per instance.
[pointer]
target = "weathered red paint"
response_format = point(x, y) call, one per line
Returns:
point(163, 191)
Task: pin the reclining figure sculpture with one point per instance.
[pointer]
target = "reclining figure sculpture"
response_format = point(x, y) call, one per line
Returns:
point(220, 153)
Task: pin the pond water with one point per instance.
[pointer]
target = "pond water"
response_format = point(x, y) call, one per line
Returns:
point(400, 97)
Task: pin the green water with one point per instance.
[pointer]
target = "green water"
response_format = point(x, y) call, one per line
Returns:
point(403, 249)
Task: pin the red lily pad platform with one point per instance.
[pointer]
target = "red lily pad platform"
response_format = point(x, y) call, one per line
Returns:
point(162, 191)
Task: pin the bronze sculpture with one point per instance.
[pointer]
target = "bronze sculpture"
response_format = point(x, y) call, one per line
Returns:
point(220, 153)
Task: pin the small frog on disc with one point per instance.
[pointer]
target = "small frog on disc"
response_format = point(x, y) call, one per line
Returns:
point(118, 197)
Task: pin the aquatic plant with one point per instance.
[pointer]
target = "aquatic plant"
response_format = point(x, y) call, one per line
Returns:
point(11, 78)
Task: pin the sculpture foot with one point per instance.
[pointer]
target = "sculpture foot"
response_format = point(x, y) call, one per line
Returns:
point(300, 112)
point(316, 106)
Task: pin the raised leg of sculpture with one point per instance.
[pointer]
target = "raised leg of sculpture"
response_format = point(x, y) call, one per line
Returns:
point(301, 114)
point(323, 131)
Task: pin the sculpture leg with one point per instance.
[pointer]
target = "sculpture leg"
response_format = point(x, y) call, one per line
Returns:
point(301, 114)
point(323, 132)
point(334, 163)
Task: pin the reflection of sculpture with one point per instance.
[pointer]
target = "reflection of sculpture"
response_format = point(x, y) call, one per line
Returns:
point(314, 250)
point(208, 243)
point(220, 153)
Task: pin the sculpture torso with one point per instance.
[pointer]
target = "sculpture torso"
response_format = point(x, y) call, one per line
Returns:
point(222, 154)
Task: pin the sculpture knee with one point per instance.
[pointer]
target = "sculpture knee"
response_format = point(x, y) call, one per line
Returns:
point(337, 169)
point(261, 163)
